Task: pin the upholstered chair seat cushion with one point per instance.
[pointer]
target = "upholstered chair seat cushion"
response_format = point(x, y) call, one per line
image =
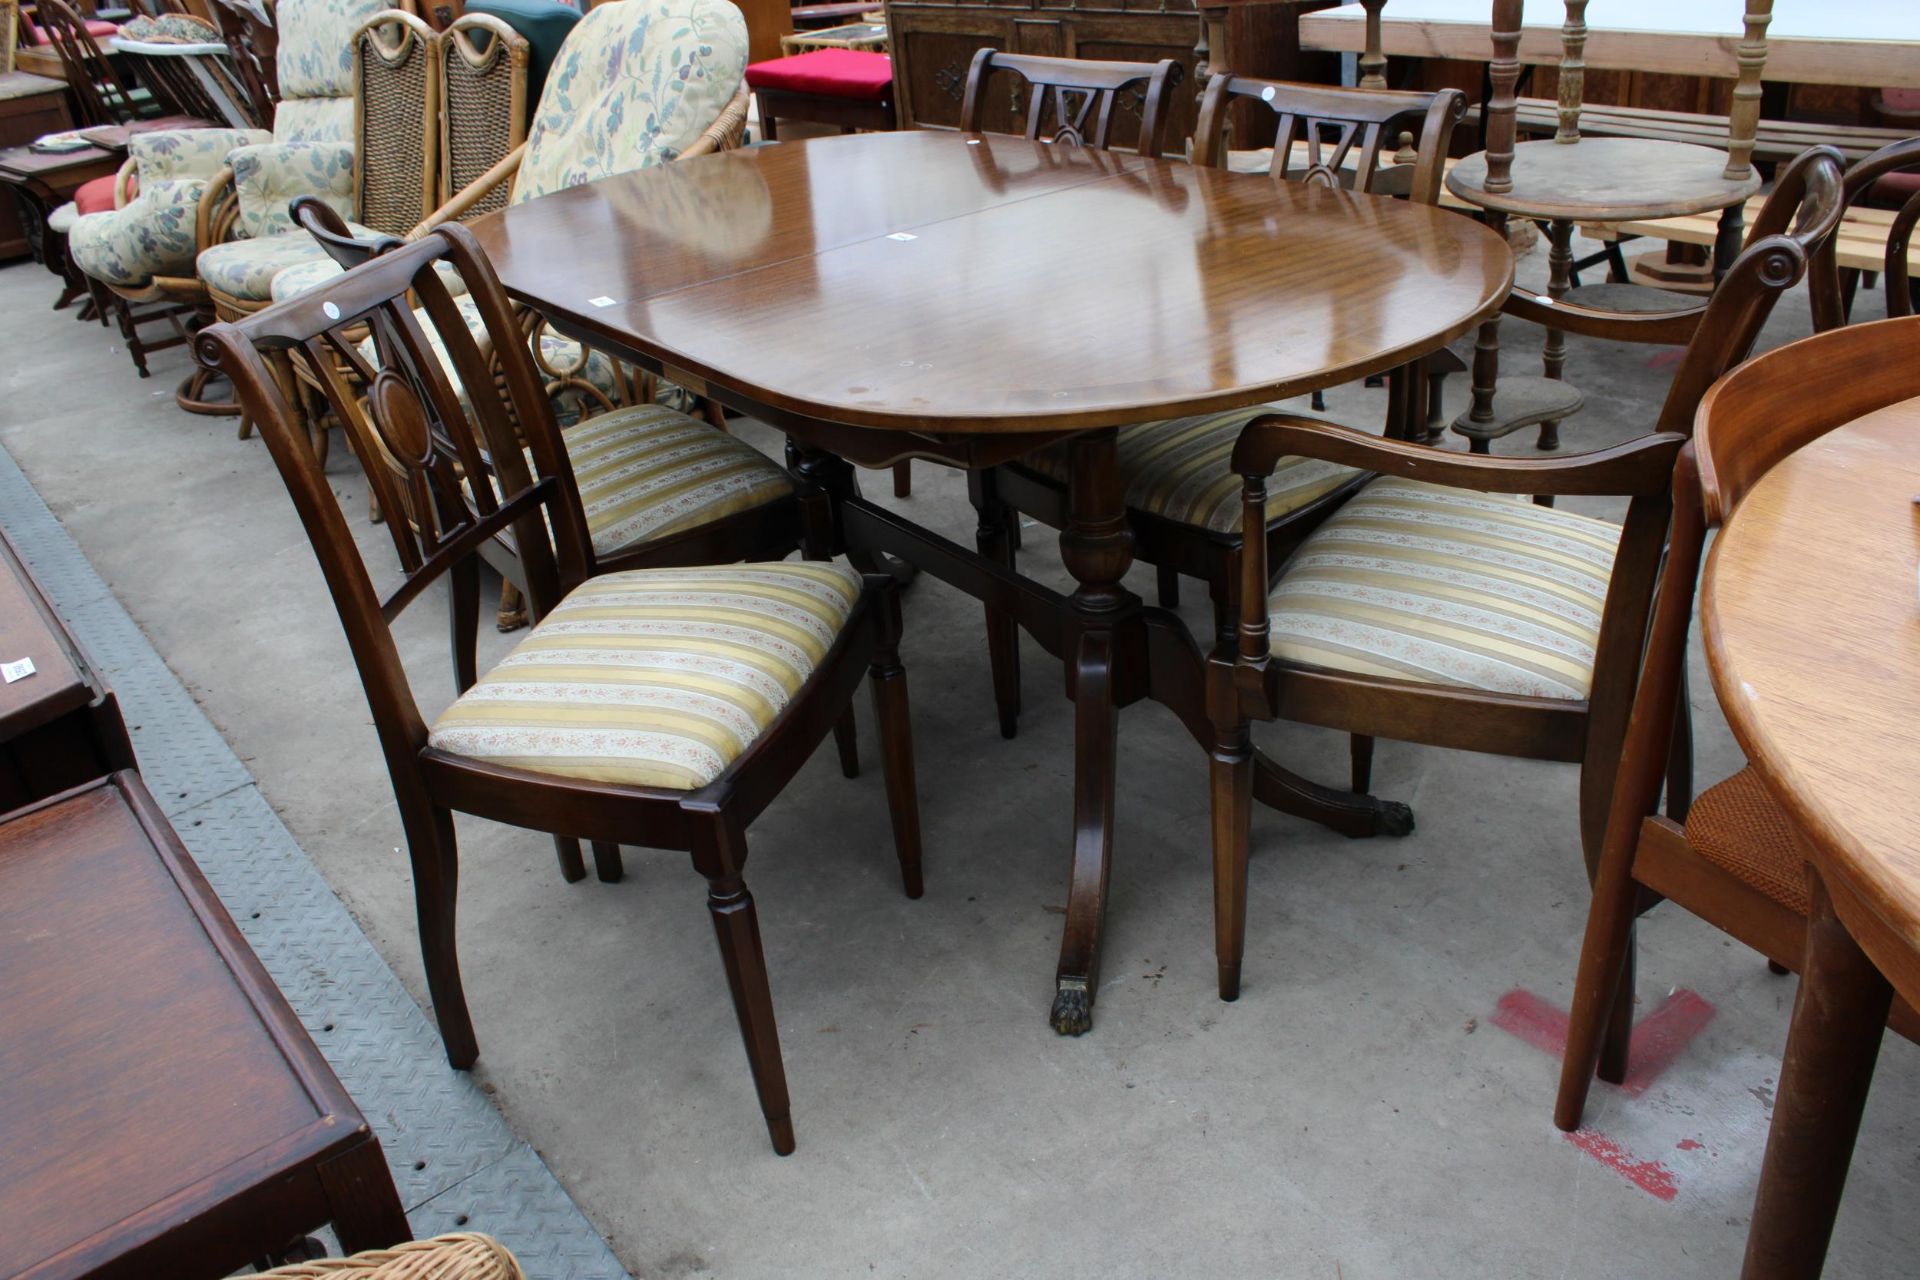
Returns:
point(1740, 827)
point(245, 269)
point(267, 177)
point(855, 74)
point(1181, 470)
point(96, 196)
point(1418, 582)
point(295, 280)
point(646, 471)
point(654, 677)
point(170, 28)
point(153, 233)
point(636, 84)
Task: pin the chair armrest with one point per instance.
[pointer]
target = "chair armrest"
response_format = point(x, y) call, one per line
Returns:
point(124, 186)
point(189, 153)
point(217, 212)
point(1666, 328)
point(1641, 468)
point(476, 191)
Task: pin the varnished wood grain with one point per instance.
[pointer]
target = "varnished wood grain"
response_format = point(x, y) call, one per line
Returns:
point(162, 1112)
point(1856, 43)
point(1606, 179)
point(1812, 625)
point(1180, 289)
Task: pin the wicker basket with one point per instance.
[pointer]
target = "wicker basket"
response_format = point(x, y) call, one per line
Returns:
point(468, 1256)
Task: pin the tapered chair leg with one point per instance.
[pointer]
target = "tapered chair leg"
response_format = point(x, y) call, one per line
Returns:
point(1680, 756)
point(1604, 959)
point(889, 680)
point(1360, 749)
point(573, 863)
point(1617, 1044)
point(903, 479)
point(436, 882)
point(994, 540)
point(846, 740)
point(1230, 774)
point(463, 621)
point(512, 613)
point(737, 927)
point(607, 863)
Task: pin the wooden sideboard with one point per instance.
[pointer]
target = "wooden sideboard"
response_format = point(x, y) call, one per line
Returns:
point(933, 42)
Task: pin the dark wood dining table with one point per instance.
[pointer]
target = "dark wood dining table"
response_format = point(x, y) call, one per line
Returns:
point(972, 298)
point(1810, 612)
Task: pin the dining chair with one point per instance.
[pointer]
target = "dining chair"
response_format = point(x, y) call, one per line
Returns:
point(1832, 288)
point(1182, 496)
point(99, 95)
point(1076, 88)
point(1733, 861)
point(658, 707)
point(1439, 607)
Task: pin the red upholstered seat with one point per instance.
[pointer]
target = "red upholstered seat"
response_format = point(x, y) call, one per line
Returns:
point(98, 28)
point(828, 73)
point(1893, 190)
point(96, 196)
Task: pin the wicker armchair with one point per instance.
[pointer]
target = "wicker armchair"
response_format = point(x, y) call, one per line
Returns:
point(467, 1256)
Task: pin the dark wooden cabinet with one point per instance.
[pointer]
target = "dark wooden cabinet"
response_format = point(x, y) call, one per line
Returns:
point(30, 107)
point(933, 41)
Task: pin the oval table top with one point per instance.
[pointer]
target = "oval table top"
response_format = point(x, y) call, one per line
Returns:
point(1810, 611)
point(1606, 179)
point(942, 282)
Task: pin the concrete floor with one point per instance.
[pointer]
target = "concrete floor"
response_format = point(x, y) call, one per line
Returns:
point(1359, 1112)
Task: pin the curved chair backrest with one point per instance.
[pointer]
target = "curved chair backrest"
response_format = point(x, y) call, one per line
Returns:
point(1077, 89)
point(636, 83)
point(485, 69)
point(91, 79)
point(1338, 125)
point(1833, 299)
point(315, 66)
point(413, 416)
point(396, 154)
point(1799, 217)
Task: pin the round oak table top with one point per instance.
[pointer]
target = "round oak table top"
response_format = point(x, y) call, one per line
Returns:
point(1605, 179)
point(1810, 609)
point(943, 282)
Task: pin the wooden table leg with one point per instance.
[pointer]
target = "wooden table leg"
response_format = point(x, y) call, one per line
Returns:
point(1553, 355)
point(1097, 546)
point(361, 1199)
point(1838, 1018)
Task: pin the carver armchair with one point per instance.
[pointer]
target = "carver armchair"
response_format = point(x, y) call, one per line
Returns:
point(1439, 606)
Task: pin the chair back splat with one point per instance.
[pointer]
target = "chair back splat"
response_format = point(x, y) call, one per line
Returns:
point(414, 416)
point(1083, 96)
point(1832, 288)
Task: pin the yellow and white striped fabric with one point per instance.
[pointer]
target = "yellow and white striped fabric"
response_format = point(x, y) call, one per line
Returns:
point(1419, 582)
point(646, 471)
point(1181, 470)
point(654, 677)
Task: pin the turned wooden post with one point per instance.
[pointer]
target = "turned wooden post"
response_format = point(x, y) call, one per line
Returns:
point(1373, 62)
point(1505, 74)
point(1573, 70)
point(1743, 121)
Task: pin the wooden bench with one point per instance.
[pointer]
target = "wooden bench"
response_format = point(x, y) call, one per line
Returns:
point(1775, 141)
point(1861, 246)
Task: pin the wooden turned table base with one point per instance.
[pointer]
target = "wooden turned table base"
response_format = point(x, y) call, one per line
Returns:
point(1116, 651)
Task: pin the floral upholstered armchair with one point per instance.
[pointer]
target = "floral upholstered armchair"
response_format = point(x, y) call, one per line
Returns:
point(177, 193)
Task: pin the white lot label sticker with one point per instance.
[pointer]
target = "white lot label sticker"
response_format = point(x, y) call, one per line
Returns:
point(602, 301)
point(903, 235)
point(16, 670)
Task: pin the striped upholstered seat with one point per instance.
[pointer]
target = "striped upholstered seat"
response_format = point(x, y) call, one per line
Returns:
point(645, 471)
point(654, 677)
point(1180, 470)
point(1419, 582)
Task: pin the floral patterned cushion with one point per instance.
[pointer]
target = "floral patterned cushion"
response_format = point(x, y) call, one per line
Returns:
point(170, 28)
point(636, 84)
point(152, 234)
point(62, 219)
point(245, 269)
point(313, 120)
point(315, 58)
point(267, 177)
point(295, 280)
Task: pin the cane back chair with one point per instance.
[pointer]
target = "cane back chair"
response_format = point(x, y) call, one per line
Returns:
point(1438, 606)
point(1182, 496)
point(661, 707)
